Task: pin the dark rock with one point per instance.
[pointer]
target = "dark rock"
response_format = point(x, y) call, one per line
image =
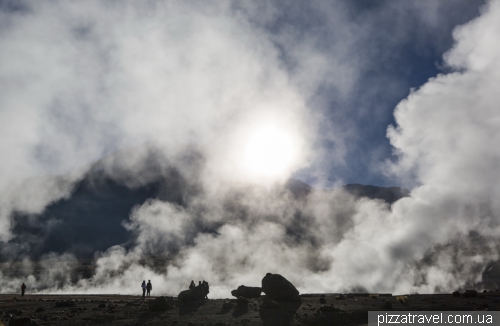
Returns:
point(470, 293)
point(184, 296)
point(196, 293)
point(456, 294)
point(269, 304)
point(322, 300)
point(278, 288)
point(247, 292)
point(101, 305)
point(23, 321)
point(40, 309)
point(159, 304)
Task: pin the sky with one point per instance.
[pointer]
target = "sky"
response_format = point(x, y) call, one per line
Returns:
point(388, 93)
point(348, 63)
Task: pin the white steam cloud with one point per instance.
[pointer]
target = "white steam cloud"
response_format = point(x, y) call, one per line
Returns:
point(80, 80)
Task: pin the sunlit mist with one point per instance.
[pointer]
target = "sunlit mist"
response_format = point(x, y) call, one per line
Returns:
point(269, 151)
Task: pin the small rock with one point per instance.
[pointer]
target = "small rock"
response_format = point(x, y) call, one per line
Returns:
point(456, 294)
point(40, 309)
point(101, 305)
point(322, 300)
point(470, 293)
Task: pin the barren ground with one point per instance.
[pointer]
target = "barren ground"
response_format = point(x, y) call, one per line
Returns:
point(131, 310)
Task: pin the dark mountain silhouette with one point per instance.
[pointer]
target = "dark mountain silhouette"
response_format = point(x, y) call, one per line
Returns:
point(88, 221)
point(389, 195)
point(92, 218)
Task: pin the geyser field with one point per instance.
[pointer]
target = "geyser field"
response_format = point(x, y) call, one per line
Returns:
point(349, 146)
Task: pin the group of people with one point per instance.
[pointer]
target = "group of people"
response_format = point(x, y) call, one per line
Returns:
point(146, 288)
point(203, 285)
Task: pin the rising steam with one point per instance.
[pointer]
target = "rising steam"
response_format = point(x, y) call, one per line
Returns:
point(82, 80)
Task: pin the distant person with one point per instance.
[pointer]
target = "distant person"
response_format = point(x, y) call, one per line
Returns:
point(192, 286)
point(143, 286)
point(199, 283)
point(149, 287)
point(206, 287)
point(23, 288)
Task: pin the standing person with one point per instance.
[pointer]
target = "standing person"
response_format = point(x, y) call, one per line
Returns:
point(192, 286)
point(23, 288)
point(143, 286)
point(206, 288)
point(149, 287)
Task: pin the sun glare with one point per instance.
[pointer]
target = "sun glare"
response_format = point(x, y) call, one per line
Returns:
point(269, 152)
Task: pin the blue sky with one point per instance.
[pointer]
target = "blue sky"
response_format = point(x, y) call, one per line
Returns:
point(392, 47)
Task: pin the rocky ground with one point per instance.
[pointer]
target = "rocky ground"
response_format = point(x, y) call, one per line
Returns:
point(312, 309)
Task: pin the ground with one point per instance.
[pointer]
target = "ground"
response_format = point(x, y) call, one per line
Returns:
point(349, 309)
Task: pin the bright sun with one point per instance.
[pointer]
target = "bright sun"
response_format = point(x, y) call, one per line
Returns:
point(269, 152)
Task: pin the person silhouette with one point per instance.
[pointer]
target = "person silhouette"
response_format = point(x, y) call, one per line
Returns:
point(143, 286)
point(191, 286)
point(206, 288)
point(23, 288)
point(149, 287)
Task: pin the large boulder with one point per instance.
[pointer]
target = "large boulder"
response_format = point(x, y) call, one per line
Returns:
point(278, 288)
point(184, 296)
point(159, 304)
point(247, 292)
point(193, 294)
